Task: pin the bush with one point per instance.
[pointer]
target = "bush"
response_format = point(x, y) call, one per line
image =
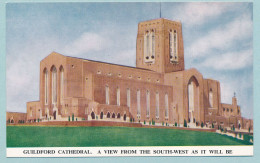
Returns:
point(213, 125)
point(38, 120)
point(225, 131)
point(69, 118)
point(76, 119)
point(149, 122)
point(185, 123)
point(162, 123)
point(202, 125)
point(131, 120)
point(144, 122)
point(72, 117)
point(249, 129)
point(176, 124)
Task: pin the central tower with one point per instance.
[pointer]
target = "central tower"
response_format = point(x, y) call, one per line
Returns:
point(159, 46)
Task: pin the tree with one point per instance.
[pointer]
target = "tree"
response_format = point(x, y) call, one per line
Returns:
point(213, 125)
point(202, 125)
point(185, 123)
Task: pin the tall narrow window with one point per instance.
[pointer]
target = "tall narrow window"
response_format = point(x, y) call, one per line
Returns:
point(157, 104)
point(46, 87)
point(107, 95)
point(147, 103)
point(166, 106)
point(173, 46)
point(210, 98)
point(149, 46)
point(54, 85)
point(153, 45)
point(61, 85)
point(138, 103)
point(118, 96)
point(128, 98)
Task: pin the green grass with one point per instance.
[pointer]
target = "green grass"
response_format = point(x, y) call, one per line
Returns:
point(35, 136)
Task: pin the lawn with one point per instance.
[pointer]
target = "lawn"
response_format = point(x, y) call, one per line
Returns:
point(35, 136)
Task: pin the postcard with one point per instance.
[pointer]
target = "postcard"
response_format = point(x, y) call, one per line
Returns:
point(129, 79)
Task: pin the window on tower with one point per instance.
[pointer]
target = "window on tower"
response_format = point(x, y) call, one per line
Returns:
point(149, 46)
point(173, 46)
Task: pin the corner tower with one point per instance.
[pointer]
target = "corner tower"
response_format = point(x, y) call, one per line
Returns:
point(159, 46)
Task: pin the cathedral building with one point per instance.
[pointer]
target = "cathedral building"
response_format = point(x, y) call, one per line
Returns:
point(159, 89)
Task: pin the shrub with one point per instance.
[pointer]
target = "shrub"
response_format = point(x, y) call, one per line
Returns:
point(225, 131)
point(202, 125)
point(144, 122)
point(249, 129)
point(213, 125)
point(131, 120)
point(38, 120)
point(162, 123)
point(72, 117)
point(185, 123)
point(69, 118)
point(76, 119)
point(176, 124)
point(149, 122)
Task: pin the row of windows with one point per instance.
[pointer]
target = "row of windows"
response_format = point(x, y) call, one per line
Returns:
point(130, 76)
point(138, 99)
point(53, 85)
point(227, 109)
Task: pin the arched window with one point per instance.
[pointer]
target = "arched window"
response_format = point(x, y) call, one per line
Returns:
point(61, 84)
point(138, 103)
point(101, 115)
point(108, 115)
point(113, 115)
point(118, 96)
point(147, 103)
point(166, 105)
point(157, 104)
point(54, 85)
point(210, 98)
point(93, 115)
point(107, 95)
point(46, 86)
point(128, 97)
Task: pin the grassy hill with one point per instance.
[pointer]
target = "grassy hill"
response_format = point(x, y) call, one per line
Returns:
point(36, 136)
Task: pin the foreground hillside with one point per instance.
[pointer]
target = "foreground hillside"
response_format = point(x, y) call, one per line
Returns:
point(36, 136)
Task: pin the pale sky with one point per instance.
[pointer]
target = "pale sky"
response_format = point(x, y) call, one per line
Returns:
point(218, 41)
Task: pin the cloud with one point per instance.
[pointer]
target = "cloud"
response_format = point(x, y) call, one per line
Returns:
point(198, 13)
point(223, 37)
point(87, 42)
point(230, 60)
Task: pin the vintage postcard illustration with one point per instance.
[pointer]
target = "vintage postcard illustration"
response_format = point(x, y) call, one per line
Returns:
point(129, 79)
